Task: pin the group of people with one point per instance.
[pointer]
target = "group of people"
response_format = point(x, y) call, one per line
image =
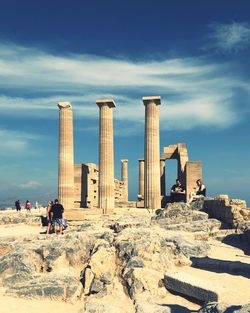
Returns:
point(54, 214)
point(27, 205)
point(178, 192)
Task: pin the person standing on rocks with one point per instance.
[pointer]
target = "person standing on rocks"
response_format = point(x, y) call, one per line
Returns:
point(18, 205)
point(27, 206)
point(57, 216)
point(48, 216)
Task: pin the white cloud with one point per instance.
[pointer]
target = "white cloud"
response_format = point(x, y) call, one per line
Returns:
point(194, 92)
point(231, 37)
point(12, 141)
point(32, 184)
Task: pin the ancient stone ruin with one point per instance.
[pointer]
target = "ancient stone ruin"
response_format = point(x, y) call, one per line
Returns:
point(94, 186)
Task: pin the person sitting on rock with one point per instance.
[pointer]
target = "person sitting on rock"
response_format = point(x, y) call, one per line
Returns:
point(177, 192)
point(199, 191)
point(57, 216)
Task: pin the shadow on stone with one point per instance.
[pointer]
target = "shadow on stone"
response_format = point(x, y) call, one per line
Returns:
point(44, 220)
point(191, 299)
point(238, 241)
point(222, 266)
point(175, 308)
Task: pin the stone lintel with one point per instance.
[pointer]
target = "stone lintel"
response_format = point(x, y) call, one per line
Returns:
point(152, 99)
point(64, 105)
point(109, 102)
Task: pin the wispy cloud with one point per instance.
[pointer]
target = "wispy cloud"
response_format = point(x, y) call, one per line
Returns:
point(229, 38)
point(15, 141)
point(195, 92)
point(32, 184)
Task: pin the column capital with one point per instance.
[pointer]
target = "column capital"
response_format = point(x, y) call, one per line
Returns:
point(152, 99)
point(124, 160)
point(141, 160)
point(109, 102)
point(64, 105)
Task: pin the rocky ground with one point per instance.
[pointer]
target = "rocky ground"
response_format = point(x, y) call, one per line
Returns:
point(175, 260)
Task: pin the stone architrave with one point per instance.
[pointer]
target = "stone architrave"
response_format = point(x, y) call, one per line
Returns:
point(163, 178)
point(124, 177)
point(141, 179)
point(66, 156)
point(152, 193)
point(106, 156)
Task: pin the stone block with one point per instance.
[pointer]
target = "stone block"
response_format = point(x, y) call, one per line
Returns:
point(194, 287)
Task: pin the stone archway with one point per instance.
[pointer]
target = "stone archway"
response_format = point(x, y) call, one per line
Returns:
point(188, 171)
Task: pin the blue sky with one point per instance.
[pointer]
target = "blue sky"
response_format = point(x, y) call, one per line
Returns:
point(194, 54)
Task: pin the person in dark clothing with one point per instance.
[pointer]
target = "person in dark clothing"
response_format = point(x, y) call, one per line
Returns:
point(199, 191)
point(201, 188)
point(18, 205)
point(177, 192)
point(57, 216)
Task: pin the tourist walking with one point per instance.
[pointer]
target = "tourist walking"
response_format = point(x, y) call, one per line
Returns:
point(27, 206)
point(18, 205)
point(57, 216)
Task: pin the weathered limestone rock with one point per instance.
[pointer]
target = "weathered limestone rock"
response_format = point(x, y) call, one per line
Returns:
point(152, 193)
point(224, 308)
point(128, 221)
point(224, 210)
point(194, 287)
point(87, 277)
point(187, 247)
point(143, 280)
point(66, 156)
point(19, 265)
point(106, 155)
point(17, 218)
point(53, 286)
point(179, 217)
point(239, 202)
point(103, 307)
point(142, 306)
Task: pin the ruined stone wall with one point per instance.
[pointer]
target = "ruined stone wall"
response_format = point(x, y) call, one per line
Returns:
point(193, 172)
point(86, 186)
point(232, 212)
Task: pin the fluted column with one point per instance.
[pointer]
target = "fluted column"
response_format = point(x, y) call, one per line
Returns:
point(124, 177)
point(66, 156)
point(163, 177)
point(106, 156)
point(152, 193)
point(141, 178)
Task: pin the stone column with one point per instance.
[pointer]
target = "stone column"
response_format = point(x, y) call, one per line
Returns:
point(66, 156)
point(152, 193)
point(124, 177)
point(106, 156)
point(163, 178)
point(141, 178)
